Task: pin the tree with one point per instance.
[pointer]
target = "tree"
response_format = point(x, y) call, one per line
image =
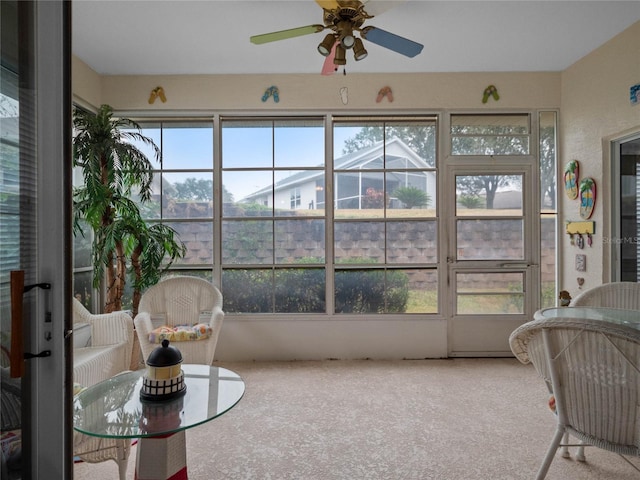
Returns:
point(112, 167)
point(194, 189)
point(548, 165)
point(412, 197)
point(199, 189)
point(475, 184)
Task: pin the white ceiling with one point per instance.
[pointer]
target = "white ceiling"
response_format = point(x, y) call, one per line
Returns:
point(136, 37)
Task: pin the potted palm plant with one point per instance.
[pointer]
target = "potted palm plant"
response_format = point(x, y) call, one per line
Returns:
point(114, 169)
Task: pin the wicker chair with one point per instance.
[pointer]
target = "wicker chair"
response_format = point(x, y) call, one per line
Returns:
point(108, 354)
point(181, 300)
point(625, 295)
point(593, 370)
point(111, 345)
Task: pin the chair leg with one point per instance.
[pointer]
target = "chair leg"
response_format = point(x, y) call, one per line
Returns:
point(564, 449)
point(580, 453)
point(123, 459)
point(122, 469)
point(551, 452)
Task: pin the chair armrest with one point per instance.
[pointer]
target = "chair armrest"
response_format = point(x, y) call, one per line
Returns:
point(111, 328)
point(143, 324)
point(216, 319)
point(144, 327)
point(215, 323)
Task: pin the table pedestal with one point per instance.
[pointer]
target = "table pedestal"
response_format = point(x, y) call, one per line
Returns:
point(162, 458)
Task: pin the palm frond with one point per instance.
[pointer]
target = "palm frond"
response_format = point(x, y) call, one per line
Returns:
point(112, 165)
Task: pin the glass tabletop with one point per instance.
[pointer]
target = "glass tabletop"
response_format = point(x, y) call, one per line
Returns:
point(113, 408)
point(630, 318)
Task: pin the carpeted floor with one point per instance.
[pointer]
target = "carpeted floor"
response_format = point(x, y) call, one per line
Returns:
point(457, 419)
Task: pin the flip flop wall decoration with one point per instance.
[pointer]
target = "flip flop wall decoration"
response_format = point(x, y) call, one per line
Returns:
point(571, 179)
point(157, 92)
point(385, 92)
point(492, 91)
point(587, 197)
point(272, 91)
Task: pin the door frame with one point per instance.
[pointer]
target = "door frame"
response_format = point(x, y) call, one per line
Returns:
point(45, 119)
point(611, 249)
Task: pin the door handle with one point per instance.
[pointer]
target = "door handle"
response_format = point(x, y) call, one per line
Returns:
point(44, 286)
point(44, 353)
point(17, 356)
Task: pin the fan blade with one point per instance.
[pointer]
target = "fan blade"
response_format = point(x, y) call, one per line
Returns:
point(328, 4)
point(376, 7)
point(284, 34)
point(328, 68)
point(372, 7)
point(391, 41)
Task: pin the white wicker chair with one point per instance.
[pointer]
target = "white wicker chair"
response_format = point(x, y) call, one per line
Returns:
point(111, 345)
point(625, 295)
point(108, 354)
point(593, 370)
point(181, 300)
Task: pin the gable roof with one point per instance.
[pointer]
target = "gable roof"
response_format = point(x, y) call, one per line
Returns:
point(351, 161)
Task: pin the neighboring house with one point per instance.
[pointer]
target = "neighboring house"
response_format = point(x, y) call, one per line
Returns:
point(355, 173)
point(508, 199)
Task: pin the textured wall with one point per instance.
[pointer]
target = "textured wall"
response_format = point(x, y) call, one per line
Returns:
point(317, 92)
point(595, 109)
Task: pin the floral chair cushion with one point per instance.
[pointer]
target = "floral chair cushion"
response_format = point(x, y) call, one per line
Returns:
point(180, 333)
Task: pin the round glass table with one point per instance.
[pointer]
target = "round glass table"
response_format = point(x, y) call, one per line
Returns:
point(630, 318)
point(113, 409)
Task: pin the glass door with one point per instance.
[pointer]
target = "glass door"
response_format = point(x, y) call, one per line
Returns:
point(627, 246)
point(34, 247)
point(491, 260)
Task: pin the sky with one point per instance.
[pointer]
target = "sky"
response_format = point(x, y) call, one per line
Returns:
point(192, 148)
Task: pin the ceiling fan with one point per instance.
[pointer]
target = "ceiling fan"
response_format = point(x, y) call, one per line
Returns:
point(344, 18)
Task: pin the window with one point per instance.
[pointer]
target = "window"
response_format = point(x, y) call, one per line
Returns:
point(296, 201)
point(182, 195)
point(273, 224)
point(381, 219)
point(548, 131)
point(83, 289)
point(385, 228)
point(490, 134)
point(493, 218)
point(283, 226)
point(12, 172)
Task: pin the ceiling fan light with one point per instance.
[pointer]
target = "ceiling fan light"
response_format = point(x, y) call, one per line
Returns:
point(341, 56)
point(348, 40)
point(359, 52)
point(327, 44)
